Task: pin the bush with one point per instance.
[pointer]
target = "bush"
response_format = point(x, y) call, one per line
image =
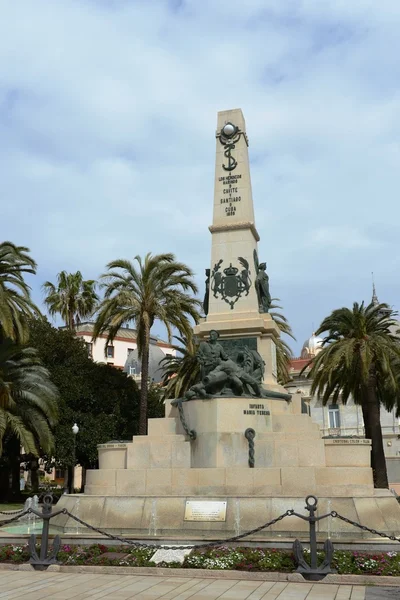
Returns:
point(216, 558)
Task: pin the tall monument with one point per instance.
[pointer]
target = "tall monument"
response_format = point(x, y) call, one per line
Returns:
point(236, 445)
point(238, 286)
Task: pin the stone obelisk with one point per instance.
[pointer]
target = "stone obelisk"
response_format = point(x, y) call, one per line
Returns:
point(234, 307)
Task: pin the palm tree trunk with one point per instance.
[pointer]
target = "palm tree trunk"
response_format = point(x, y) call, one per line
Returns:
point(144, 383)
point(364, 408)
point(34, 468)
point(5, 477)
point(378, 461)
point(367, 426)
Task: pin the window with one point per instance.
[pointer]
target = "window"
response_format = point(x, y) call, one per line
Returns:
point(110, 351)
point(132, 370)
point(130, 350)
point(334, 416)
point(89, 347)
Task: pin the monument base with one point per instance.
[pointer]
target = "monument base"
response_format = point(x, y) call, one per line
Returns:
point(143, 486)
point(163, 517)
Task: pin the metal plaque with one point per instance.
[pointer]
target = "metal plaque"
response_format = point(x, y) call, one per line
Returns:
point(205, 510)
point(233, 346)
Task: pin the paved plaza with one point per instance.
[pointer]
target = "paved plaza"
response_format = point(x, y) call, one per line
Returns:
point(30, 585)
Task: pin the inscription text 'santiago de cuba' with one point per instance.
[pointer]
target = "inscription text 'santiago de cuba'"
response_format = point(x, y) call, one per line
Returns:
point(230, 191)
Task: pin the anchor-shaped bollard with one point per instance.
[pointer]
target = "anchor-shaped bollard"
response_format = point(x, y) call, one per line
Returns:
point(313, 572)
point(44, 560)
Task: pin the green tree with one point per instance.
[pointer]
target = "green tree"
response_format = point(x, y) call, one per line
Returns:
point(359, 359)
point(73, 298)
point(16, 305)
point(283, 351)
point(28, 399)
point(28, 411)
point(157, 288)
point(101, 399)
point(182, 371)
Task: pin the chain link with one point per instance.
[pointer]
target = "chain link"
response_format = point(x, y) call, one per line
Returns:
point(7, 521)
point(11, 512)
point(164, 547)
point(190, 432)
point(336, 515)
point(250, 434)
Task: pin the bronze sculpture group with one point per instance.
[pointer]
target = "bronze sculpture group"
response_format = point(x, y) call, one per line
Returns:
point(222, 375)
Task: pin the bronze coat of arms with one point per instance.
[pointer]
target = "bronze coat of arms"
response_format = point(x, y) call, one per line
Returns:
point(231, 283)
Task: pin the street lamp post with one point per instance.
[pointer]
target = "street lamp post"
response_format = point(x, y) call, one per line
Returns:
point(75, 430)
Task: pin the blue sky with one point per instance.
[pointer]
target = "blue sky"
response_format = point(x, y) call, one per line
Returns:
point(107, 120)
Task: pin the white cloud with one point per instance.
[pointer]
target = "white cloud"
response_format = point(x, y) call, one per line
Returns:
point(107, 120)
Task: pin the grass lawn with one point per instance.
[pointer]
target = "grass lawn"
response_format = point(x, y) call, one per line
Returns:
point(11, 506)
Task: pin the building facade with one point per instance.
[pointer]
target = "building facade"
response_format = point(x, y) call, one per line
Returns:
point(122, 353)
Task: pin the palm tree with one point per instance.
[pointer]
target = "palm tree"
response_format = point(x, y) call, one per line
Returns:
point(73, 298)
point(182, 371)
point(157, 288)
point(283, 351)
point(359, 358)
point(28, 399)
point(16, 305)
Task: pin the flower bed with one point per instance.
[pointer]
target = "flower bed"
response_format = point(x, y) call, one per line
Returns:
point(221, 557)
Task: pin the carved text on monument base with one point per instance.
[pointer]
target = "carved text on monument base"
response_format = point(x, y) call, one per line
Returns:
point(347, 441)
point(204, 510)
point(256, 409)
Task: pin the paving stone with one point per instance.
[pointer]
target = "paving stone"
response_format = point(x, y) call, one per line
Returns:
point(382, 593)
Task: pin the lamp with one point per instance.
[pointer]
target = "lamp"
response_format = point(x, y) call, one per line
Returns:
point(75, 431)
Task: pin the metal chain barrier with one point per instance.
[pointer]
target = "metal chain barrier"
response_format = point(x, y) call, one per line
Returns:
point(336, 515)
point(190, 432)
point(11, 512)
point(111, 536)
point(311, 571)
point(7, 521)
point(250, 434)
point(118, 538)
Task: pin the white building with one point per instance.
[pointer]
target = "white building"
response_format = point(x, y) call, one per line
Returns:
point(124, 347)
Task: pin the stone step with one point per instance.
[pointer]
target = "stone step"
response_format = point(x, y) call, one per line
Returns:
point(232, 482)
point(167, 452)
point(293, 423)
point(155, 439)
point(169, 426)
point(135, 514)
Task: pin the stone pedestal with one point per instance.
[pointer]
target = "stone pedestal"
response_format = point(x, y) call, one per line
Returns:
point(161, 471)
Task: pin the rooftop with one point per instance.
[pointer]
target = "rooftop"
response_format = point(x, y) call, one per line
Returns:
point(124, 333)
